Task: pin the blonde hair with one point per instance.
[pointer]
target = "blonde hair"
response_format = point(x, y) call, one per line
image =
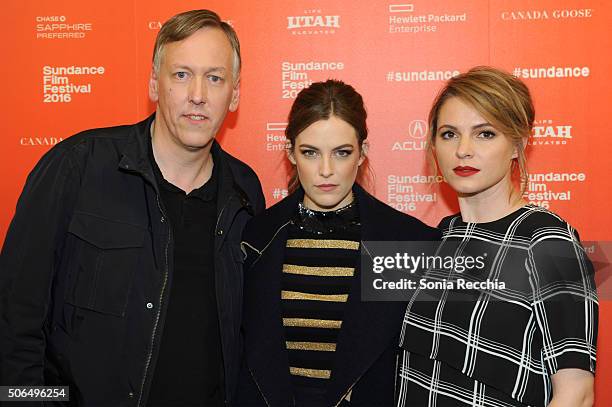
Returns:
point(185, 24)
point(499, 97)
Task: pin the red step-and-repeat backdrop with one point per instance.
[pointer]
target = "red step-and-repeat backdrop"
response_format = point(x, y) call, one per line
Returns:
point(69, 65)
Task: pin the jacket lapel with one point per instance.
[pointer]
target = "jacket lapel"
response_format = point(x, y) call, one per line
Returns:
point(264, 334)
point(369, 328)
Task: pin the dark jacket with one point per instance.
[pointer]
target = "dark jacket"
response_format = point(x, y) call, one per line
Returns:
point(87, 265)
point(367, 349)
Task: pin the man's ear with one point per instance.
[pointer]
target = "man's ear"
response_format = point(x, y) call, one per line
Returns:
point(235, 97)
point(153, 86)
point(365, 147)
point(289, 150)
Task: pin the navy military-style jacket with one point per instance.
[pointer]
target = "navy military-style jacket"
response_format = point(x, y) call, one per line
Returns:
point(368, 343)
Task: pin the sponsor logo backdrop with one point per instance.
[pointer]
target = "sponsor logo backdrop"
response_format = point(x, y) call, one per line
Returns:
point(69, 67)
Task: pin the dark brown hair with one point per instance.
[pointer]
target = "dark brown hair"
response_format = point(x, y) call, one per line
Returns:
point(320, 101)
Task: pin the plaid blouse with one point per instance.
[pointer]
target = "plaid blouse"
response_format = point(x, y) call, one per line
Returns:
point(500, 346)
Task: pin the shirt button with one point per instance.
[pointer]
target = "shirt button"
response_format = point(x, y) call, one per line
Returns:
point(220, 232)
point(149, 305)
point(163, 219)
point(130, 394)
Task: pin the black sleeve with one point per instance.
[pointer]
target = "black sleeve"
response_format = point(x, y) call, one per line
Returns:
point(260, 201)
point(565, 301)
point(32, 247)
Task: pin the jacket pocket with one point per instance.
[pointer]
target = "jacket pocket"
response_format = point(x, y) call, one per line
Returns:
point(102, 264)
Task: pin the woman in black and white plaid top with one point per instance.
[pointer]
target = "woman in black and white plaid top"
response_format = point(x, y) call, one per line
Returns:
point(527, 335)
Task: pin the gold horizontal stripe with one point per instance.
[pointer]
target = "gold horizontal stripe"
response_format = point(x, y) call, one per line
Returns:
point(319, 271)
point(323, 244)
point(322, 346)
point(314, 373)
point(295, 295)
point(312, 323)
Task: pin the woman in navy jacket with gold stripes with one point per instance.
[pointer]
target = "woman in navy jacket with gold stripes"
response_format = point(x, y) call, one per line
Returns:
point(309, 339)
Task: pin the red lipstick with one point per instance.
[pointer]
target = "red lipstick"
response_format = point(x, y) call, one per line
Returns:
point(465, 171)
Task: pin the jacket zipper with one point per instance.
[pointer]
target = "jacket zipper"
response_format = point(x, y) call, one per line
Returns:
point(223, 209)
point(161, 296)
point(346, 393)
point(259, 388)
point(221, 213)
point(159, 308)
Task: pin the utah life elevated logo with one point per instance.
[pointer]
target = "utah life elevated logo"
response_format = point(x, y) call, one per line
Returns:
point(313, 22)
point(417, 129)
point(546, 132)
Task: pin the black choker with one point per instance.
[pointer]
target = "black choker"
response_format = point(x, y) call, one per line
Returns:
point(320, 222)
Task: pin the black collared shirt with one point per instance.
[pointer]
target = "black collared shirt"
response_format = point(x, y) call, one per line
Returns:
point(189, 369)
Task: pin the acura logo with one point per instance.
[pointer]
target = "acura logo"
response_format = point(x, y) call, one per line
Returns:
point(417, 129)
